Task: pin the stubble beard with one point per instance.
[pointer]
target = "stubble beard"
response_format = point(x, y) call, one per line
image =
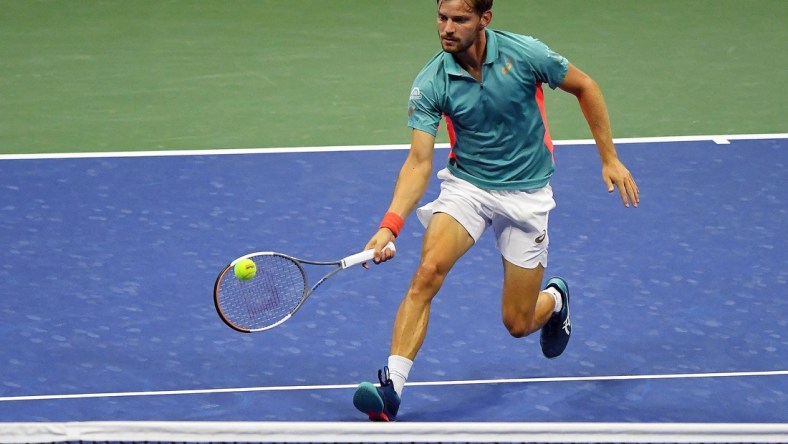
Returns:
point(457, 46)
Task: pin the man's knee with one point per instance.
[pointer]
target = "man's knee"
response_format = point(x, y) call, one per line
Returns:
point(428, 277)
point(518, 325)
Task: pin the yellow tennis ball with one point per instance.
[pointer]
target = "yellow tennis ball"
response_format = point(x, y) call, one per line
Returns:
point(245, 269)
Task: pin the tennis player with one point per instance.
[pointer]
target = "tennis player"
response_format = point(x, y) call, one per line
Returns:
point(488, 84)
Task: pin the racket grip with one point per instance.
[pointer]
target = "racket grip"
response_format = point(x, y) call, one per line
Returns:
point(364, 256)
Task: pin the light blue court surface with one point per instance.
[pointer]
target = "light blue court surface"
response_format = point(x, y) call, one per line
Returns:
point(679, 308)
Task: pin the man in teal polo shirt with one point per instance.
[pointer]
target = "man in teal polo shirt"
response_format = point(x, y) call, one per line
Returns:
point(488, 86)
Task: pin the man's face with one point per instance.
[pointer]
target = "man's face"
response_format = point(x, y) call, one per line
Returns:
point(458, 25)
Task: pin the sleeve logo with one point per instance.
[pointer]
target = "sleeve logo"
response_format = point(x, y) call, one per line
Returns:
point(555, 56)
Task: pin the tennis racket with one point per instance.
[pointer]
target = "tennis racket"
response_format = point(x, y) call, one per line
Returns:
point(278, 289)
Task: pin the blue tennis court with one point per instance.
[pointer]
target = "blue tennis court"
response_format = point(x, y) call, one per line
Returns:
point(679, 306)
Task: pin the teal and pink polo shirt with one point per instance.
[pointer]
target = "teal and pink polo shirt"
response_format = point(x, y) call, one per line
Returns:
point(500, 138)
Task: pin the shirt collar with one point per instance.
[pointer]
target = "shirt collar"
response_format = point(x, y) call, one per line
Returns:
point(453, 68)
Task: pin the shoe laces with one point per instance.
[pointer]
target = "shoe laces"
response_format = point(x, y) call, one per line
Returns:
point(384, 376)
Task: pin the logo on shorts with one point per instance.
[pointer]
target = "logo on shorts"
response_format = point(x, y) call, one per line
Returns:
point(415, 93)
point(541, 237)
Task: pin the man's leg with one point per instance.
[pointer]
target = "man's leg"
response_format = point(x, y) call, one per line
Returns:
point(524, 308)
point(445, 241)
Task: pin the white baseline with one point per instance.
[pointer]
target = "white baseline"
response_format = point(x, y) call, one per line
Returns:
point(718, 139)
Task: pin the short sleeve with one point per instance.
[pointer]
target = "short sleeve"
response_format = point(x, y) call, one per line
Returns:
point(548, 66)
point(424, 114)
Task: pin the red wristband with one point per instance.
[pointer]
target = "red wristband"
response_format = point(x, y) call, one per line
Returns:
point(393, 222)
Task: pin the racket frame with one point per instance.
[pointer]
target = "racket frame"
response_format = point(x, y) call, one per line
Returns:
point(346, 262)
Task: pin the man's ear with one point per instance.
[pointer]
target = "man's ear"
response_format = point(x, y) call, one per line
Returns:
point(486, 19)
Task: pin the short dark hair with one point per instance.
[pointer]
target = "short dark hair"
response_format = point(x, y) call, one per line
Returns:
point(478, 6)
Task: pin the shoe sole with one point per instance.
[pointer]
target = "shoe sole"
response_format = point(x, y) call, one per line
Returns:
point(368, 401)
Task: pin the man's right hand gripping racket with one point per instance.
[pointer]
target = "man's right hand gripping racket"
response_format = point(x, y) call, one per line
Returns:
point(275, 292)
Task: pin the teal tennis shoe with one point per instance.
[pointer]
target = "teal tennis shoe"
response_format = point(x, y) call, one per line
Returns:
point(555, 333)
point(379, 403)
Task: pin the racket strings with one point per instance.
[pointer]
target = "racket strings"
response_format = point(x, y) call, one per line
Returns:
point(272, 294)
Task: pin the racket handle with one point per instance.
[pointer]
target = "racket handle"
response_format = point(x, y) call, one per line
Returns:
point(364, 256)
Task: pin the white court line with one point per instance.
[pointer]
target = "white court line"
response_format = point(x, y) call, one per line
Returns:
point(409, 384)
point(718, 139)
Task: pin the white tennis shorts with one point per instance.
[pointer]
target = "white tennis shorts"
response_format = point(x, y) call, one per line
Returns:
point(518, 218)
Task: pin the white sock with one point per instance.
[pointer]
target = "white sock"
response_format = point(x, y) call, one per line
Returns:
point(559, 304)
point(399, 367)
